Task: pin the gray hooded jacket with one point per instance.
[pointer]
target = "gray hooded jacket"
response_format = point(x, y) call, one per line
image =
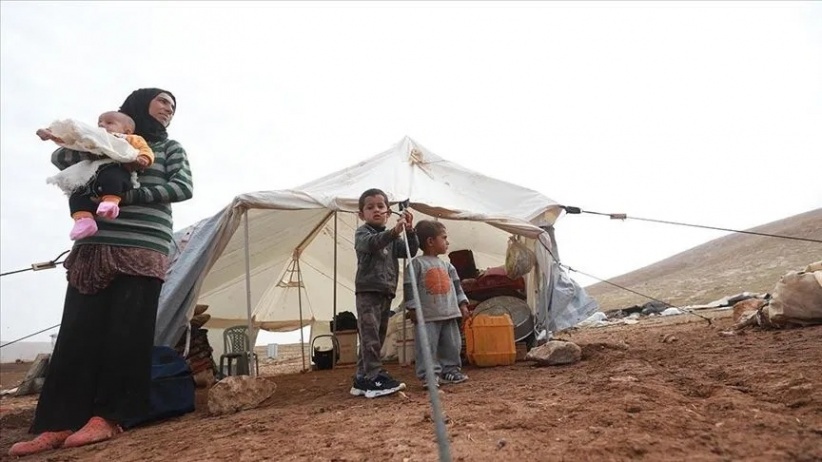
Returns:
point(378, 251)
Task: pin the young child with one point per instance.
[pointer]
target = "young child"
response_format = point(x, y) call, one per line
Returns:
point(443, 303)
point(110, 180)
point(378, 250)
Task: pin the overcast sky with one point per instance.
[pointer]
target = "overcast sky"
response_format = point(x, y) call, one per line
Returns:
point(699, 112)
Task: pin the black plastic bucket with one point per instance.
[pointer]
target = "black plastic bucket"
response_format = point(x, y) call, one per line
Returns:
point(325, 359)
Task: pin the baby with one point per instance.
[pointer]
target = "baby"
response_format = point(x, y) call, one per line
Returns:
point(102, 194)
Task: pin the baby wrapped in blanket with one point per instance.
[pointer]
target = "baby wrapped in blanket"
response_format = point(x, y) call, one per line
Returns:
point(95, 187)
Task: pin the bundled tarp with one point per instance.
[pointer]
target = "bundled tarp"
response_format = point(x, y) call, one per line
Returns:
point(796, 301)
point(797, 298)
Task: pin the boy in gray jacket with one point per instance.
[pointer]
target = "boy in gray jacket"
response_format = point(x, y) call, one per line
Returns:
point(378, 250)
point(443, 303)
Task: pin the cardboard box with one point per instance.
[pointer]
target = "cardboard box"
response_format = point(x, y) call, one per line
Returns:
point(522, 350)
point(348, 346)
point(406, 354)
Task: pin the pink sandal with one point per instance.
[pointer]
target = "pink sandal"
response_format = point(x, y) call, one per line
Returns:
point(45, 441)
point(96, 430)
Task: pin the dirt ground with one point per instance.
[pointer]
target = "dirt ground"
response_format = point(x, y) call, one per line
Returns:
point(664, 389)
point(11, 374)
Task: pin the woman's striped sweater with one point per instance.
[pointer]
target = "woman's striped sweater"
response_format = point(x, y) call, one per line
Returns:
point(145, 219)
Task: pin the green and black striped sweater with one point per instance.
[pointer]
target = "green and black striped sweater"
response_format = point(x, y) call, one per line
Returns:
point(145, 219)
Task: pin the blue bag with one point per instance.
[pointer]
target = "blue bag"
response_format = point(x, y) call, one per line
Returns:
point(172, 387)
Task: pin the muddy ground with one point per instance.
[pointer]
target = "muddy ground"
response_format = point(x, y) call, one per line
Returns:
point(664, 389)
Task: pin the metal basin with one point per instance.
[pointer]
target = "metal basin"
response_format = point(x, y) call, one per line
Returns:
point(515, 307)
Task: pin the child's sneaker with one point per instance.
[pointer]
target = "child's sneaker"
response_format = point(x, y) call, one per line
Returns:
point(424, 382)
point(382, 385)
point(454, 377)
point(83, 228)
point(359, 386)
point(384, 374)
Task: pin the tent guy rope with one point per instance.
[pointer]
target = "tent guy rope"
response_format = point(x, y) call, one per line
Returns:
point(637, 293)
point(30, 335)
point(39, 266)
point(571, 210)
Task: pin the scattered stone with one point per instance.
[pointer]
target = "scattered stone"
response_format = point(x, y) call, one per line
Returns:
point(597, 319)
point(670, 338)
point(627, 378)
point(671, 312)
point(555, 353)
point(239, 392)
point(633, 409)
point(501, 443)
point(10, 391)
point(30, 384)
point(427, 417)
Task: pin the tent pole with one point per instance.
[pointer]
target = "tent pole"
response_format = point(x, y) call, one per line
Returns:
point(404, 360)
point(316, 230)
point(300, 304)
point(249, 354)
point(334, 319)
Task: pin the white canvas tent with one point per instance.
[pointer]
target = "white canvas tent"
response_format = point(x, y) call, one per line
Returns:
point(247, 261)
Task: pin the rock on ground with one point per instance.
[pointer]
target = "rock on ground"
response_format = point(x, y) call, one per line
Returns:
point(555, 353)
point(239, 392)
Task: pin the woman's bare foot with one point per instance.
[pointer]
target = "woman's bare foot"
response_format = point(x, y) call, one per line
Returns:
point(45, 441)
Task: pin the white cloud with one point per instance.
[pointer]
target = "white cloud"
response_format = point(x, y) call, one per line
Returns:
point(697, 112)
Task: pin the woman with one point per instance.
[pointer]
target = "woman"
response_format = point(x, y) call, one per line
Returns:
point(100, 372)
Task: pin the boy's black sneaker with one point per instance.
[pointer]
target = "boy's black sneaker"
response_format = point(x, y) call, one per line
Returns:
point(359, 386)
point(382, 385)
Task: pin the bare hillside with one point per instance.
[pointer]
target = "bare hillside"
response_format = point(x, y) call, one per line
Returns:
point(725, 266)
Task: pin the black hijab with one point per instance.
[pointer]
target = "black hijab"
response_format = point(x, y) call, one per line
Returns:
point(136, 107)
